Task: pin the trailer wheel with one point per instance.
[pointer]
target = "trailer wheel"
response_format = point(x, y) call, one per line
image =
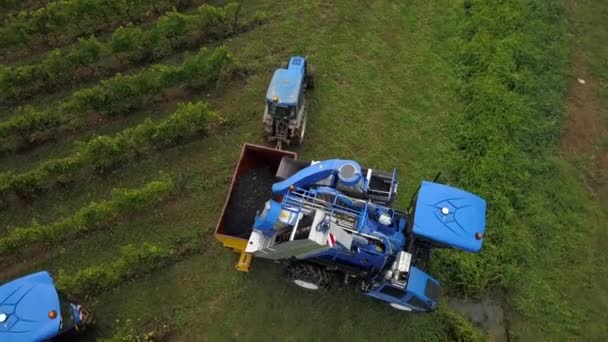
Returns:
point(307, 276)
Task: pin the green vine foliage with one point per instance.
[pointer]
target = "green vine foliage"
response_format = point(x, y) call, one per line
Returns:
point(128, 44)
point(61, 20)
point(104, 153)
point(134, 261)
point(94, 215)
point(118, 95)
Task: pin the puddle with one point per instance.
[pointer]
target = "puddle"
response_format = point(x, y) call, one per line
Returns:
point(486, 314)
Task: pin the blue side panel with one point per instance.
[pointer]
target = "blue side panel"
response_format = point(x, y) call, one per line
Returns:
point(450, 216)
point(418, 285)
point(420, 294)
point(311, 174)
point(26, 303)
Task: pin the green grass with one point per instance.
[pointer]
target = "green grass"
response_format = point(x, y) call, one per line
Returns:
point(514, 63)
point(389, 83)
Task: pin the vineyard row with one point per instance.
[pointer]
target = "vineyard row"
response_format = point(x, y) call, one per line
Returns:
point(92, 58)
point(92, 216)
point(107, 152)
point(118, 95)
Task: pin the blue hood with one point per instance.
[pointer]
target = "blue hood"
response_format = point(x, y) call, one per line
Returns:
point(450, 216)
point(286, 83)
point(26, 303)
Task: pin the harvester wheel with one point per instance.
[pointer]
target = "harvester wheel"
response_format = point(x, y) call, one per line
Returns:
point(400, 307)
point(307, 276)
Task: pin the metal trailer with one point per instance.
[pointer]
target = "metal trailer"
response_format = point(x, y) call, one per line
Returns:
point(235, 237)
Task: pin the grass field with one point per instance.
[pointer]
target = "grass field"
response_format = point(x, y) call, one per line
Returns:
point(415, 85)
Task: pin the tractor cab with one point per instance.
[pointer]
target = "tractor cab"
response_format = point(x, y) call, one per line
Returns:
point(285, 111)
point(31, 309)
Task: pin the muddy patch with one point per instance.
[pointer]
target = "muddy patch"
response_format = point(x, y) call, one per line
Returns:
point(586, 130)
point(487, 314)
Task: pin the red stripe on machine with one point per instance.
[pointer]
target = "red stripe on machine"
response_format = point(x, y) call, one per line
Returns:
point(331, 240)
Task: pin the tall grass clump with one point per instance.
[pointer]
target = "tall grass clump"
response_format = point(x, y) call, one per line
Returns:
point(513, 60)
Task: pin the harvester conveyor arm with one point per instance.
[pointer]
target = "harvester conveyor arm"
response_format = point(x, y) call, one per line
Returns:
point(311, 174)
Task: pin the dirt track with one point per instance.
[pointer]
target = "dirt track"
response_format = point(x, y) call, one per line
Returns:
point(585, 130)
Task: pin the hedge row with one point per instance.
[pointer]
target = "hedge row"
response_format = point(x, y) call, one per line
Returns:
point(134, 261)
point(65, 19)
point(105, 152)
point(513, 58)
point(120, 94)
point(94, 215)
point(171, 31)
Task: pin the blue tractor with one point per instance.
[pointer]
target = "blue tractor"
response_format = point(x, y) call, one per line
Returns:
point(31, 309)
point(327, 222)
point(285, 112)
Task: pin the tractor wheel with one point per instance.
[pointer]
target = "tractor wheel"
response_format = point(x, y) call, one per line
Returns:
point(307, 276)
point(400, 307)
point(302, 130)
point(310, 77)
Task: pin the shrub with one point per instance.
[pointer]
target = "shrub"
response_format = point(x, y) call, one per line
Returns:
point(134, 261)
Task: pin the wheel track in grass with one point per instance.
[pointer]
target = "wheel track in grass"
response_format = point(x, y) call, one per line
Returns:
point(585, 143)
point(585, 130)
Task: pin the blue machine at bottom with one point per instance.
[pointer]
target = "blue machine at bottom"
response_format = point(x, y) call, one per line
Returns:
point(32, 310)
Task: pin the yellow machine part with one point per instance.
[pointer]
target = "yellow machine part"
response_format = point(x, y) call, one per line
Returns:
point(244, 262)
point(238, 245)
